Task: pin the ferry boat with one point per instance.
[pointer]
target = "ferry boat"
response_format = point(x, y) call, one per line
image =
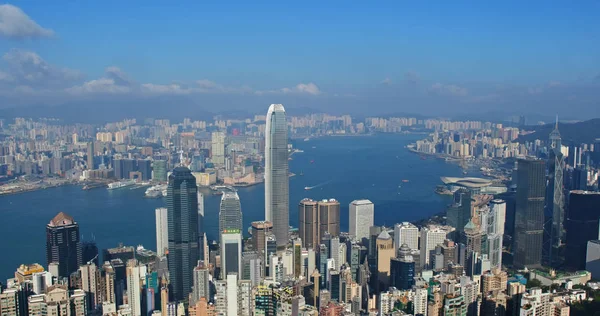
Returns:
point(155, 191)
point(121, 184)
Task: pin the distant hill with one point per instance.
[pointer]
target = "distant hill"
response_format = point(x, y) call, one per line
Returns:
point(581, 132)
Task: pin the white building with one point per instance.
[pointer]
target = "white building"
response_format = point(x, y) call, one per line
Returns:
point(420, 301)
point(431, 236)
point(134, 288)
point(362, 216)
point(406, 233)
point(162, 230)
point(232, 294)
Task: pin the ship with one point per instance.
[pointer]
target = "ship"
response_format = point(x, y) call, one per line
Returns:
point(121, 184)
point(155, 191)
point(308, 188)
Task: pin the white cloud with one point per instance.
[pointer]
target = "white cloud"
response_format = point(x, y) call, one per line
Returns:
point(450, 90)
point(309, 88)
point(14, 23)
point(27, 67)
point(115, 81)
point(386, 81)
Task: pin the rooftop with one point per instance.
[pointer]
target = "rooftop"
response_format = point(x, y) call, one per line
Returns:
point(61, 219)
point(469, 182)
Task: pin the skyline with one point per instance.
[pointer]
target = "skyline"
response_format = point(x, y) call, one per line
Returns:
point(333, 57)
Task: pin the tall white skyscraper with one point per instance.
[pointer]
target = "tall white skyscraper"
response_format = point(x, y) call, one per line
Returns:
point(276, 174)
point(406, 233)
point(218, 148)
point(134, 288)
point(362, 216)
point(162, 231)
point(431, 236)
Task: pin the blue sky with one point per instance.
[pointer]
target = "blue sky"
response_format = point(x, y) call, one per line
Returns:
point(395, 56)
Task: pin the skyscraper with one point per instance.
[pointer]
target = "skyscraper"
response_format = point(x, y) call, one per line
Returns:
point(529, 215)
point(582, 225)
point(134, 289)
point(308, 223)
point(555, 199)
point(184, 248)
point(218, 148)
point(385, 252)
point(63, 245)
point(162, 231)
point(362, 216)
point(90, 155)
point(315, 219)
point(406, 233)
point(260, 230)
point(459, 212)
point(159, 170)
point(329, 217)
point(201, 283)
point(276, 174)
point(402, 274)
point(230, 213)
point(231, 253)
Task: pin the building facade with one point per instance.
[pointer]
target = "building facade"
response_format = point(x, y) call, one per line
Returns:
point(184, 247)
point(277, 173)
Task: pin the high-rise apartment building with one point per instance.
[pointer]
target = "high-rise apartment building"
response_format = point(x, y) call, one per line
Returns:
point(63, 245)
point(582, 226)
point(182, 216)
point(529, 216)
point(218, 148)
point(162, 231)
point(276, 174)
point(230, 212)
point(90, 155)
point(201, 283)
point(406, 233)
point(362, 216)
point(91, 284)
point(134, 288)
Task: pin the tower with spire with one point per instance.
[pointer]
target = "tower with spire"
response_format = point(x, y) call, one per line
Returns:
point(555, 199)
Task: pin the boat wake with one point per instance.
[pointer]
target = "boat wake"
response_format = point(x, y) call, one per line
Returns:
point(316, 186)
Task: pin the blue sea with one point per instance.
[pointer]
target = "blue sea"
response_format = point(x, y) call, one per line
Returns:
point(344, 168)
